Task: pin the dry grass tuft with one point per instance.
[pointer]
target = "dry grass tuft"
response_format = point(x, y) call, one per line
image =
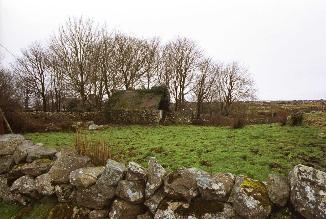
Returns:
point(97, 151)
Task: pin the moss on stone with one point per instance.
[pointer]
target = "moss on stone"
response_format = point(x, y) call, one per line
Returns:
point(256, 189)
point(63, 211)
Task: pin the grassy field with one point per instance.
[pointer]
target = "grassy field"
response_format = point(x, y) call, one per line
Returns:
point(255, 150)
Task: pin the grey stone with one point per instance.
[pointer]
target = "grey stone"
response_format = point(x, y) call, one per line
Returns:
point(217, 187)
point(39, 152)
point(7, 196)
point(95, 197)
point(131, 191)
point(278, 189)
point(25, 185)
point(135, 172)
point(147, 215)
point(65, 192)
point(9, 142)
point(80, 212)
point(36, 168)
point(112, 174)
point(227, 213)
point(153, 202)
point(21, 151)
point(182, 184)
point(44, 185)
point(155, 174)
point(67, 162)
point(85, 177)
point(122, 209)
point(250, 198)
point(98, 214)
point(308, 191)
point(6, 163)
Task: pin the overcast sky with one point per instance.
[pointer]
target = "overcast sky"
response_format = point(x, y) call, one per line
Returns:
point(281, 42)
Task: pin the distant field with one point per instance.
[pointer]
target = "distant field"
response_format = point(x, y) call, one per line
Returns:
point(255, 150)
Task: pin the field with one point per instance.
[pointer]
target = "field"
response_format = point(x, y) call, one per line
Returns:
point(255, 150)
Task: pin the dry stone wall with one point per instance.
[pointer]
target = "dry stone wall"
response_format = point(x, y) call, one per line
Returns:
point(152, 117)
point(29, 172)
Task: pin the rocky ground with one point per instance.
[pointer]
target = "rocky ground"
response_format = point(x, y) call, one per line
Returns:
point(30, 172)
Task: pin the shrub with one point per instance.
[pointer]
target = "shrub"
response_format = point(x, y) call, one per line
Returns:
point(295, 119)
point(238, 123)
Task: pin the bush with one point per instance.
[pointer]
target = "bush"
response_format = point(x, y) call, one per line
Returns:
point(295, 119)
point(238, 123)
point(280, 117)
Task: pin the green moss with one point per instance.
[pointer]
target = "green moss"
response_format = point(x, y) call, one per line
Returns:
point(64, 211)
point(256, 189)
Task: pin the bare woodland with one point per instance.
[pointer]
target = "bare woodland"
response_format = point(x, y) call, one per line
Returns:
point(84, 61)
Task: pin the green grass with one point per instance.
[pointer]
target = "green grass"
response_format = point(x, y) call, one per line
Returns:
point(39, 210)
point(255, 150)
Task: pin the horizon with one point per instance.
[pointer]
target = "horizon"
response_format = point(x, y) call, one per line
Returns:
point(281, 43)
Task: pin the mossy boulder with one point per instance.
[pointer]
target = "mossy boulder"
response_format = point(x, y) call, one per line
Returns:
point(250, 198)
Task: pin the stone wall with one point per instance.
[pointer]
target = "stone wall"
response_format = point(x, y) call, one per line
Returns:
point(134, 116)
point(29, 172)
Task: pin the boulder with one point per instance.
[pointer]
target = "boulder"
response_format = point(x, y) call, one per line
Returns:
point(308, 191)
point(85, 177)
point(227, 213)
point(100, 195)
point(131, 191)
point(21, 151)
point(94, 127)
point(112, 174)
point(44, 185)
point(278, 189)
point(217, 187)
point(39, 152)
point(122, 209)
point(153, 202)
point(96, 196)
point(36, 168)
point(135, 172)
point(5, 193)
point(182, 184)
point(65, 192)
point(98, 214)
point(7, 196)
point(67, 162)
point(9, 142)
point(197, 208)
point(80, 213)
point(6, 163)
point(25, 185)
point(250, 198)
point(147, 215)
point(155, 174)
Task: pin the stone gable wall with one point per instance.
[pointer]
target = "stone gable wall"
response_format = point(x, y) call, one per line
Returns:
point(29, 172)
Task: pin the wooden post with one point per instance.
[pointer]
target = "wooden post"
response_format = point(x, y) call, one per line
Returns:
point(6, 121)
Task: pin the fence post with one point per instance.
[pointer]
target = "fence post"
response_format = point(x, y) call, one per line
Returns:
point(6, 121)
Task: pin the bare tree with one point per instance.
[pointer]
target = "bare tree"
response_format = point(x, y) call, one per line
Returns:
point(74, 47)
point(235, 84)
point(133, 59)
point(180, 59)
point(32, 71)
point(206, 79)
